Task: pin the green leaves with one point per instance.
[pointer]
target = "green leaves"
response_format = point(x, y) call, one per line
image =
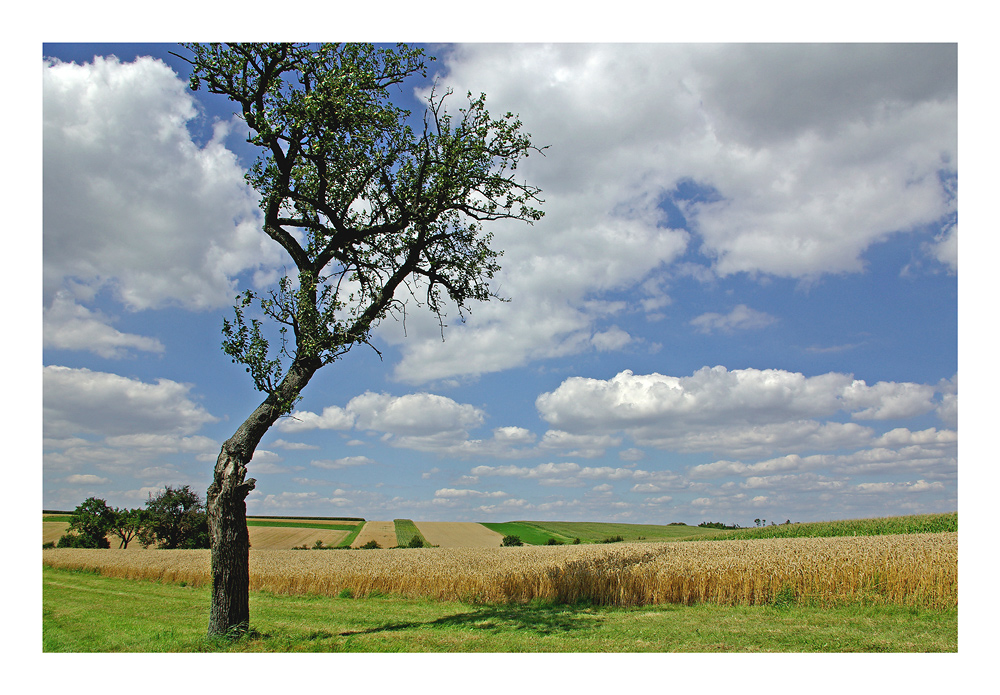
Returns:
point(362, 203)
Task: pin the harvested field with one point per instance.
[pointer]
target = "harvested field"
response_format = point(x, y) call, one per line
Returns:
point(52, 531)
point(382, 532)
point(285, 538)
point(911, 570)
point(447, 534)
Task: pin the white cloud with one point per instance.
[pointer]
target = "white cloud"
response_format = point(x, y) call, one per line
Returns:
point(610, 340)
point(68, 326)
point(332, 418)
point(741, 318)
point(413, 414)
point(453, 493)
point(86, 480)
point(130, 201)
point(83, 401)
point(788, 160)
point(345, 462)
point(917, 486)
point(888, 400)
point(293, 446)
point(743, 412)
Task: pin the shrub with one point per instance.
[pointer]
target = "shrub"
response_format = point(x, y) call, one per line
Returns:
point(511, 541)
point(371, 545)
point(75, 541)
point(613, 539)
point(415, 542)
point(553, 541)
point(576, 541)
point(50, 544)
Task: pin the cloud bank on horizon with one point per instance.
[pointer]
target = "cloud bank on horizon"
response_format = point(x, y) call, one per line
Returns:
point(740, 303)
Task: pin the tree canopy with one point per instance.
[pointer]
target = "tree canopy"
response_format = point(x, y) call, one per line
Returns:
point(361, 202)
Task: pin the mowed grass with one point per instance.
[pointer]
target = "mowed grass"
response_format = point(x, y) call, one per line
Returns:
point(539, 532)
point(529, 532)
point(87, 612)
point(595, 532)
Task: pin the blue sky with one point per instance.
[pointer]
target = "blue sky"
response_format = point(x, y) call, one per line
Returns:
point(741, 303)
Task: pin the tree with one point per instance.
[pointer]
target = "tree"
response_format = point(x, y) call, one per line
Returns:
point(127, 524)
point(175, 518)
point(366, 208)
point(92, 521)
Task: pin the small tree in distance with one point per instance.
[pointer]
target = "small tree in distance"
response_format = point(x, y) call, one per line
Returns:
point(175, 518)
point(366, 209)
point(91, 520)
point(127, 524)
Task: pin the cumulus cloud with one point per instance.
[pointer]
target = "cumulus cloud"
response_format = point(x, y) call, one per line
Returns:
point(131, 200)
point(83, 401)
point(741, 318)
point(345, 462)
point(332, 418)
point(86, 480)
point(67, 325)
point(743, 412)
point(784, 160)
point(452, 493)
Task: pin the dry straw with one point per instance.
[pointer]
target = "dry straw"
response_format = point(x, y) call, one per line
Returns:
point(913, 570)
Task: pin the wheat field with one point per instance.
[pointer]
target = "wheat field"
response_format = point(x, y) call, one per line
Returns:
point(913, 570)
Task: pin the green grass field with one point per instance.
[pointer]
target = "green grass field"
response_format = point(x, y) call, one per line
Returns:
point(539, 532)
point(406, 530)
point(87, 612)
point(891, 525)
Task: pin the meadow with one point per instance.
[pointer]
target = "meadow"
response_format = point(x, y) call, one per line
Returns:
point(868, 569)
point(89, 612)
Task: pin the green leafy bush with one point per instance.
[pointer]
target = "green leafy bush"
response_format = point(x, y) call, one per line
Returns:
point(613, 539)
point(415, 542)
point(511, 541)
point(371, 545)
point(72, 540)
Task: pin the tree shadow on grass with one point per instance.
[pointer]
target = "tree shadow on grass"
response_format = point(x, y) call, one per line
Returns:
point(542, 620)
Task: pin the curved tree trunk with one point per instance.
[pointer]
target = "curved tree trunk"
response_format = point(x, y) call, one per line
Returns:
point(227, 511)
point(227, 524)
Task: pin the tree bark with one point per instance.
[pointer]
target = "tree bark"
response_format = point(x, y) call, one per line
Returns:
point(227, 511)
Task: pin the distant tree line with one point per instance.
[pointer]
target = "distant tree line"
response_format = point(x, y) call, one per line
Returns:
point(173, 518)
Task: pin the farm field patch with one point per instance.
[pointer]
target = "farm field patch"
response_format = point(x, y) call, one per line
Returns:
point(286, 538)
point(595, 532)
point(448, 534)
point(52, 531)
point(382, 532)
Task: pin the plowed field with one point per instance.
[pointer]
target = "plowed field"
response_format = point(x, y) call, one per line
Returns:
point(448, 534)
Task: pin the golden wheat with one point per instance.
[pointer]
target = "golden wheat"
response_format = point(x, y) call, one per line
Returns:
point(916, 570)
